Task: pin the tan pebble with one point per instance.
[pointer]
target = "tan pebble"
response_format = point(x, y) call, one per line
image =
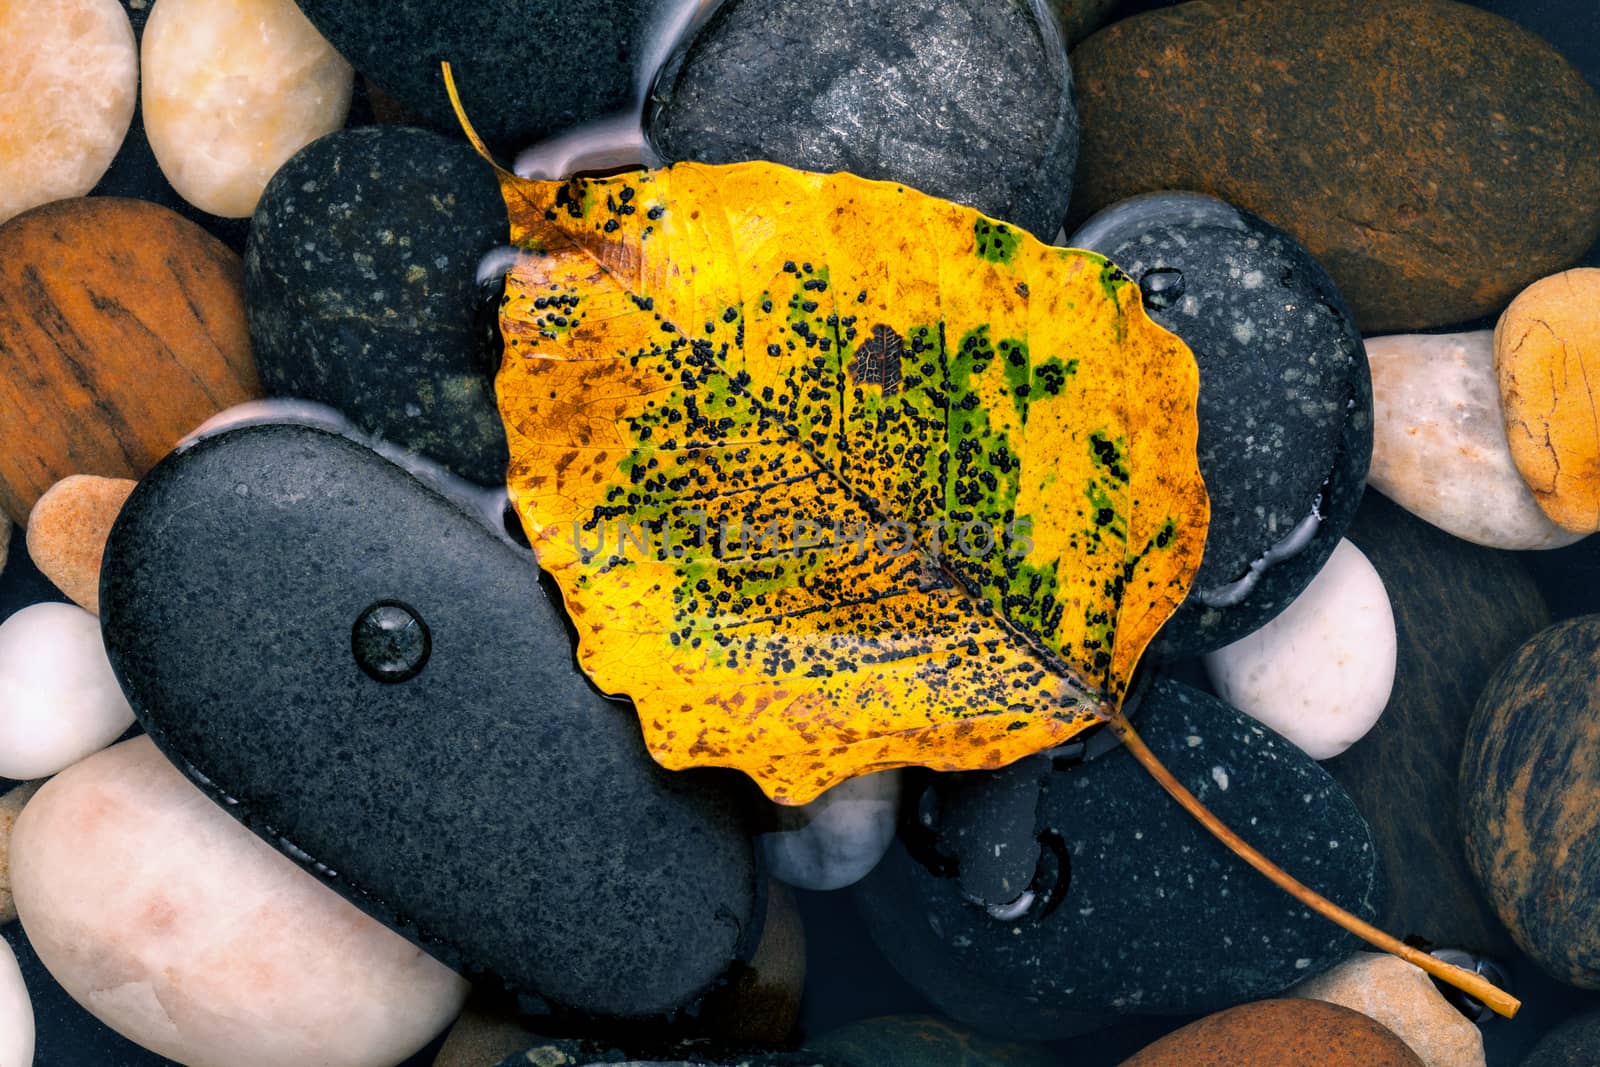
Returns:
point(69, 77)
point(67, 533)
point(10, 807)
point(1400, 996)
point(1547, 358)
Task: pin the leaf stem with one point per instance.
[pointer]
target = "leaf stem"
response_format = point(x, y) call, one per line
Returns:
point(1474, 985)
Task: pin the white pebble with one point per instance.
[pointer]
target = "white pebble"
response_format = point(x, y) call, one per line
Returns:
point(232, 89)
point(1321, 671)
point(16, 1013)
point(59, 700)
point(1439, 446)
point(838, 838)
point(69, 77)
point(187, 934)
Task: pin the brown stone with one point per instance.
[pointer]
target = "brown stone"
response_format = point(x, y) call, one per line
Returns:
point(1547, 357)
point(1276, 1033)
point(1530, 798)
point(1434, 157)
point(10, 807)
point(67, 532)
point(122, 328)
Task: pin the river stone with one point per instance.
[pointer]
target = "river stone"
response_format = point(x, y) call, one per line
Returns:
point(482, 798)
point(1275, 1033)
point(1080, 18)
point(1157, 916)
point(1575, 1043)
point(525, 71)
point(560, 1052)
point(122, 328)
point(887, 89)
point(1321, 672)
point(1488, 175)
point(69, 77)
point(181, 931)
point(1402, 997)
point(16, 1013)
point(1544, 345)
point(229, 91)
point(1439, 445)
point(67, 531)
point(362, 294)
point(836, 839)
point(1285, 402)
point(1530, 795)
point(1459, 610)
point(925, 1041)
point(11, 803)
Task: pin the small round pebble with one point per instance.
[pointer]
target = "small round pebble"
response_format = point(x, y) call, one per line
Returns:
point(1402, 997)
point(1530, 782)
point(837, 839)
point(16, 1013)
point(69, 78)
point(233, 88)
point(1278, 1033)
point(1319, 673)
point(59, 699)
point(67, 532)
point(1439, 446)
point(10, 807)
point(122, 328)
point(186, 933)
point(1547, 356)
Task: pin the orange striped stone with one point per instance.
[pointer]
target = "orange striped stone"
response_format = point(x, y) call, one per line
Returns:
point(122, 327)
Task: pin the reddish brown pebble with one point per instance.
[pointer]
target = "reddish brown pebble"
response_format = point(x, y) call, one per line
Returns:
point(67, 533)
point(1435, 158)
point(1274, 1033)
point(122, 328)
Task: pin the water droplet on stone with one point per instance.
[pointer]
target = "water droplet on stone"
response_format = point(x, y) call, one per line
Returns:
point(390, 641)
point(1162, 287)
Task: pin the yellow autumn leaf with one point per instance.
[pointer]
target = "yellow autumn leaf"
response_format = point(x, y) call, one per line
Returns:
point(836, 476)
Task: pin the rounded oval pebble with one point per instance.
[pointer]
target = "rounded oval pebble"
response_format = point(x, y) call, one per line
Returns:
point(1320, 673)
point(493, 806)
point(1403, 998)
point(874, 89)
point(179, 929)
point(1133, 907)
point(361, 280)
point(59, 699)
point(1439, 446)
point(1459, 610)
point(16, 1013)
point(10, 807)
point(67, 532)
point(1530, 798)
point(1276, 1033)
point(837, 839)
point(1547, 357)
point(1575, 1043)
point(230, 90)
point(1285, 403)
point(122, 328)
point(69, 79)
point(1433, 157)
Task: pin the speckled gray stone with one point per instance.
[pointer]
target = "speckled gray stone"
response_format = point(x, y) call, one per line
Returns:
point(971, 102)
point(360, 284)
point(493, 807)
point(526, 69)
point(1575, 1043)
point(1157, 917)
point(1285, 396)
